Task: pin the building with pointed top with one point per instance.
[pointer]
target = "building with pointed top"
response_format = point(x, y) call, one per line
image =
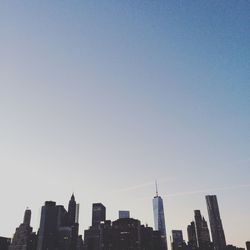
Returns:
point(159, 217)
point(202, 231)
point(72, 210)
point(23, 238)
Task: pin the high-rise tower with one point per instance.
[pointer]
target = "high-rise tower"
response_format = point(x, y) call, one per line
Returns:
point(98, 213)
point(202, 231)
point(47, 236)
point(72, 210)
point(192, 238)
point(23, 238)
point(217, 231)
point(159, 218)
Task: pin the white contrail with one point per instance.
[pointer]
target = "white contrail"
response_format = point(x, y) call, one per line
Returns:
point(146, 184)
point(209, 190)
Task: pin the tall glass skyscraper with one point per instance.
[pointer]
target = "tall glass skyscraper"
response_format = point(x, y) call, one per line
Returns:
point(217, 231)
point(159, 218)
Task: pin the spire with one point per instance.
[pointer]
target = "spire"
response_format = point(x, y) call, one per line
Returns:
point(73, 196)
point(156, 188)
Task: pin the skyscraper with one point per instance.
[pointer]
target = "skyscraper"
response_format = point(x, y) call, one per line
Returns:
point(47, 236)
point(58, 227)
point(177, 239)
point(202, 231)
point(217, 231)
point(126, 234)
point(23, 238)
point(73, 214)
point(248, 245)
point(4, 243)
point(98, 213)
point(192, 238)
point(72, 211)
point(159, 218)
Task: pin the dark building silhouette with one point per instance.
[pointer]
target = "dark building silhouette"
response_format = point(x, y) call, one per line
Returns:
point(4, 243)
point(73, 225)
point(98, 213)
point(231, 247)
point(47, 236)
point(58, 227)
point(202, 231)
point(159, 217)
point(72, 210)
point(150, 239)
point(158, 244)
point(177, 239)
point(248, 245)
point(23, 238)
point(126, 234)
point(192, 239)
point(122, 234)
point(95, 238)
point(146, 238)
point(124, 214)
point(98, 236)
point(216, 227)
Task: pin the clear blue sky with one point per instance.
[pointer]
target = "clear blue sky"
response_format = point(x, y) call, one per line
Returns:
point(103, 97)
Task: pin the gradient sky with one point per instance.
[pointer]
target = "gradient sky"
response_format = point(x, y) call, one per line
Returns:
point(103, 97)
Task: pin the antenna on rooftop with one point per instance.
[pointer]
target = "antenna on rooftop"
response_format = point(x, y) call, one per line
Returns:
point(156, 187)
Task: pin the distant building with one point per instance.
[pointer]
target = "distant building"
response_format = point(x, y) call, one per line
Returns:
point(159, 218)
point(72, 211)
point(122, 234)
point(231, 247)
point(47, 236)
point(126, 234)
point(217, 231)
point(124, 214)
point(192, 239)
point(248, 245)
point(4, 243)
point(23, 238)
point(150, 239)
point(95, 237)
point(177, 239)
point(202, 231)
point(79, 245)
point(58, 227)
point(98, 213)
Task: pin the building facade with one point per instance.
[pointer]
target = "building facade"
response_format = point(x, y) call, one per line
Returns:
point(159, 218)
point(216, 227)
point(98, 213)
point(202, 231)
point(177, 239)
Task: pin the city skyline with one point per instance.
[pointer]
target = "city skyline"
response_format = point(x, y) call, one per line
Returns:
point(101, 98)
point(203, 232)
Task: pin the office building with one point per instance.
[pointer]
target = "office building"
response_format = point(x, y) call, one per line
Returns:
point(98, 213)
point(4, 243)
point(72, 210)
point(126, 234)
point(124, 214)
point(248, 245)
point(192, 239)
point(202, 231)
point(177, 239)
point(159, 218)
point(23, 238)
point(47, 236)
point(216, 227)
